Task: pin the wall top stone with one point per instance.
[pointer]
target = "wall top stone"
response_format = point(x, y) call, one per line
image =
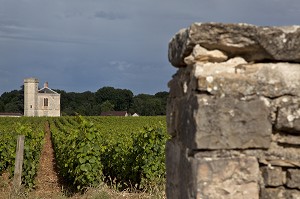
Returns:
point(253, 43)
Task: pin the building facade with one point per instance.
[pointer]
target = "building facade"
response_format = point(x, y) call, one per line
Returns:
point(43, 102)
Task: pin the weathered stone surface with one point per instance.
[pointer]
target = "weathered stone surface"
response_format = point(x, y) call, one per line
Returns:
point(288, 114)
point(223, 123)
point(223, 178)
point(287, 139)
point(251, 42)
point(293, 178)
point(279, 162)
point(272, 193)
point(176, 85)
point(173, 173)
point(273, 176)
point(181, 172)
point(280, 154)
point(171, 115)
point(265, 79)
point(200, 54)
point(279, 193)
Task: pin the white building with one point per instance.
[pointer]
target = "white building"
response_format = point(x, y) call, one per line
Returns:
point(43, 102)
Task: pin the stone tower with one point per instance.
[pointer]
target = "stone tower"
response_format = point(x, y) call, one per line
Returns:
point(30, 96)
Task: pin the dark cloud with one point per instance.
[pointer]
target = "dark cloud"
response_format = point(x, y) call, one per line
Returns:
point(109, 15)
point(8, 26)
point(83, 45)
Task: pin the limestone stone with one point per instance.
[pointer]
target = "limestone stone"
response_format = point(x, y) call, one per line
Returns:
point(200, 54)
point(181, 181)
point(288, 114)
point(293, 178)
point(272, 193)
point(171, 114)
point(282, 163)
point(172, 160)
point(272, 176)
point(223, 178)
point(253, 43)
point(178, 85)
point(264, 79)
point(288, 139)
point(279, 193)
point(223, 123)
point(281, 154)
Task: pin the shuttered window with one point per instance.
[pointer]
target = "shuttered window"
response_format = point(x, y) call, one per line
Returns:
point(45, 101)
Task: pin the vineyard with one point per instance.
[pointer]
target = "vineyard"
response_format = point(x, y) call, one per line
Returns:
point(126, 151)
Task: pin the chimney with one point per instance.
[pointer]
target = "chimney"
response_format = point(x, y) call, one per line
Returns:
point(46, 85)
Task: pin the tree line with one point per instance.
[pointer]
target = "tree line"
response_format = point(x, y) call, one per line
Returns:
point(93, 103)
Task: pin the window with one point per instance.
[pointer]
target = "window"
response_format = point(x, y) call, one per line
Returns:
point(45, 101)
point(30, 106)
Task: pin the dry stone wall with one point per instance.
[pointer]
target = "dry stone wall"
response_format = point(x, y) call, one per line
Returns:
point(234, 112)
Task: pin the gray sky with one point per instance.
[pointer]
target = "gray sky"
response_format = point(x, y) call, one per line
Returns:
point(80, 45)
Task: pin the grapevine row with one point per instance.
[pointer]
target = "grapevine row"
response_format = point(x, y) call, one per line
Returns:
point(127, 151)
point(33, 129)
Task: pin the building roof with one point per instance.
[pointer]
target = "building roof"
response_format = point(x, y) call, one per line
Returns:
point(114, 113)
point(47, 90)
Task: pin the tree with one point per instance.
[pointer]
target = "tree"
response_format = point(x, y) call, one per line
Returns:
point(121, 99)
point(107, 106)
point(124, 99)
point(104, 94)
point(13, 101)
point(163, 97)
point(147, 105)
point(81, 103)
point(2, 105)
point(12, 107)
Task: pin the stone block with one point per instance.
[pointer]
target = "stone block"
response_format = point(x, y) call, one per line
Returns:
point(288, 114)
point(206, 122)
point(273, 177)
point(279, 193)
point(201, 54)
point(272, 193)
point(223, 178)
point(248, 41)
point(293, 178)
point(181, 182)
point(235, 78)
point(175, 85)
point(171, 116)
point(288, 139)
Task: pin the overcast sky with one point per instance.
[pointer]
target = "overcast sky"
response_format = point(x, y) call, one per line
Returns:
point(81, 45)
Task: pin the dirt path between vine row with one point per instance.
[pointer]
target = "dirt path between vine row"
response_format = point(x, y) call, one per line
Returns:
point(48, 182)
